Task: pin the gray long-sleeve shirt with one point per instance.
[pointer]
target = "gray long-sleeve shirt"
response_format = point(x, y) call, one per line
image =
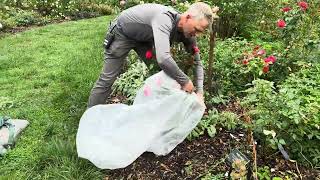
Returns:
point(158, 24)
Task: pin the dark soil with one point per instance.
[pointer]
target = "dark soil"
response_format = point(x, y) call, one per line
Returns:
point(189, 160)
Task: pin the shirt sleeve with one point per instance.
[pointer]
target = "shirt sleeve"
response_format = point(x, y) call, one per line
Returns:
point(162, 27)
point(189, 44)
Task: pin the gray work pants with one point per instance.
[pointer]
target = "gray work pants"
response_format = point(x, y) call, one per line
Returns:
point(114, 58)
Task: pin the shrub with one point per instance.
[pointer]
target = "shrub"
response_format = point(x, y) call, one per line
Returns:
point(25, 18)
point(130, 81)
point(213, 120)
point(104, 9)
point(289, 116)
point(13, 17)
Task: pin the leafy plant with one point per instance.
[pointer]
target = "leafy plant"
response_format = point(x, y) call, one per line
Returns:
point(130, 81)
point(219, 99)
point(264, 173)
point(289, 116)
point(209, 123)
point(210, 176)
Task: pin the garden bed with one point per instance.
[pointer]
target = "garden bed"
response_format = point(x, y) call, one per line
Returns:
point(195, 159)
point(205, 157)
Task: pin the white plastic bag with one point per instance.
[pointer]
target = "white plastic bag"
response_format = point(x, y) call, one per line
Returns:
point(9, 132)
point(113, 136)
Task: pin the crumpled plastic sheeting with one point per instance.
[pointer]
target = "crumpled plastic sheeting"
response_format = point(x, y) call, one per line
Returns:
point(18, 126)
point(113, 136)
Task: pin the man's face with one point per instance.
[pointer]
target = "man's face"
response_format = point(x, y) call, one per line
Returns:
point(193, 26)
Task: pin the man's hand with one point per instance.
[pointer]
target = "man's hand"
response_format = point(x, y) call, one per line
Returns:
point(188, 87)
point(201, 99)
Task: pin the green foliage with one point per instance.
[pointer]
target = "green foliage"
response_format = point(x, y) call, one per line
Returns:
point(131, 3)
point(264, 173)
point(214, 119)
point(294, 47)
point(215, 100)
point(104, 9)
point(12, 17)
point(25, 18)
point(84, 10)
point(130, 81)
point(210, 176)
point(290, 116)
point(300, 36)
point(235, 16)
point(263, 61)
point(38, 12)
point(226, 69)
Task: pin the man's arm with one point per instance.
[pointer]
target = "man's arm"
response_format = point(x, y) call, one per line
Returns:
point(191, 47)
point(162, 26)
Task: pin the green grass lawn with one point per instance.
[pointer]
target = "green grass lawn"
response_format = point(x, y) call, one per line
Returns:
point(46, 75)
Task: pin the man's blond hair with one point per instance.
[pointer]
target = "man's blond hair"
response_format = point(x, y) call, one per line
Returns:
point(201, 10)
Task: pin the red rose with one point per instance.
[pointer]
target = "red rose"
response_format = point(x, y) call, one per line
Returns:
point(265, 69)
point(149, 54)
point(303, 5)
point(286, 9)
point(281, 23)
point(270, 59)
point(195, 49)
point(256, 48)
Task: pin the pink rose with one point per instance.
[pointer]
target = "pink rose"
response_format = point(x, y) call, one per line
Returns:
point(261, 52)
